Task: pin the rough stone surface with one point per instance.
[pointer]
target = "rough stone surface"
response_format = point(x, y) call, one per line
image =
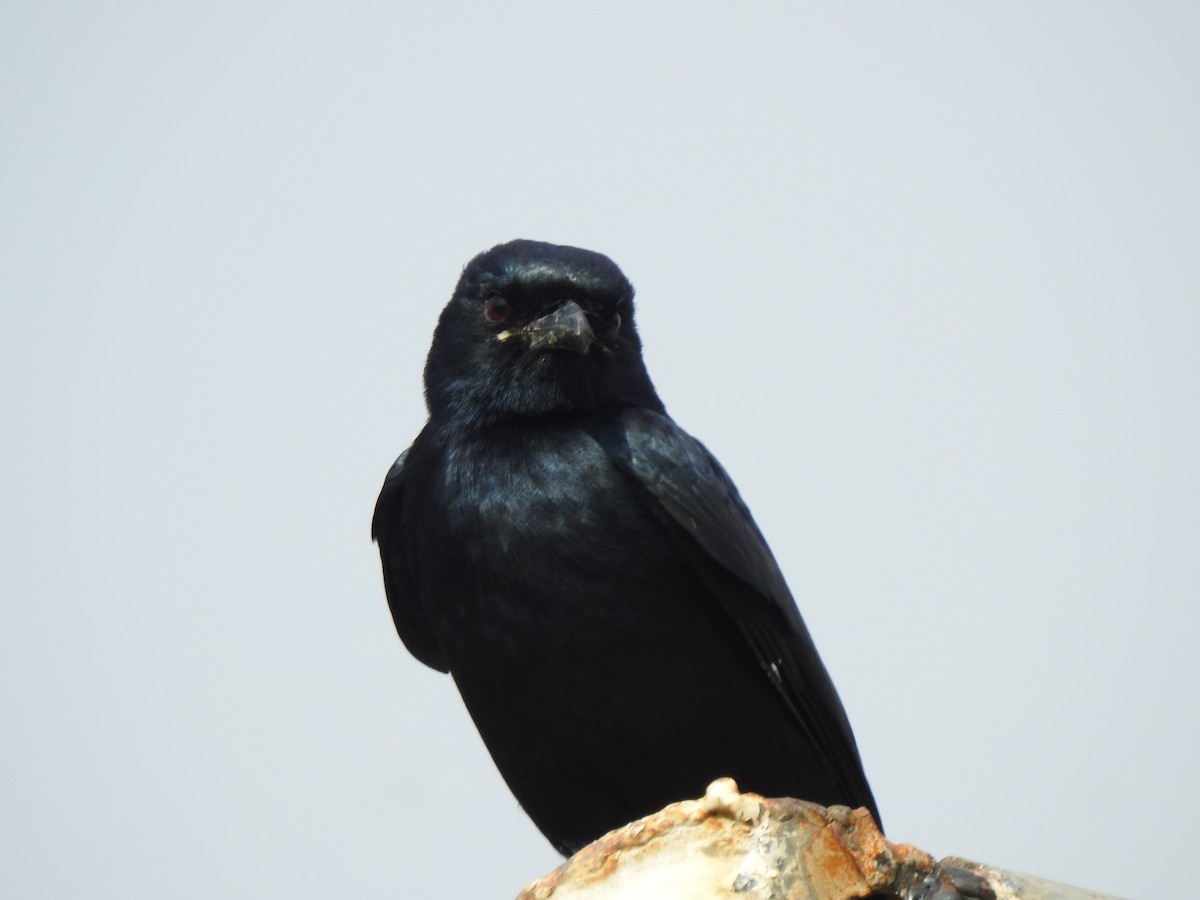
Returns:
point(733, 845)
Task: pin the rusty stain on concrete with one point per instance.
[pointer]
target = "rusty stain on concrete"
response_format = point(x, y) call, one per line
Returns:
point(733, 845)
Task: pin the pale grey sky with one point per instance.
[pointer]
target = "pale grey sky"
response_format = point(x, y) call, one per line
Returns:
point(923, 276)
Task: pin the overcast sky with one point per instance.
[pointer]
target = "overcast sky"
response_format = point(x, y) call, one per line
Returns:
point(923, 276)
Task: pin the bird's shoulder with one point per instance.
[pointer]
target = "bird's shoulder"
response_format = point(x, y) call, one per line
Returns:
point(389, 496)
point(387, 530)
point(697, 495)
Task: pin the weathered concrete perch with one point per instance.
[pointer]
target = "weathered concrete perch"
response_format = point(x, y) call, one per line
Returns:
point(747, 847)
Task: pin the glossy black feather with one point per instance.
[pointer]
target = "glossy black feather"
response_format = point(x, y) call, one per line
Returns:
point(588, 574)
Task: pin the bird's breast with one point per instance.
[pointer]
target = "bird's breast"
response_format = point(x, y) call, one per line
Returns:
point(535, 547)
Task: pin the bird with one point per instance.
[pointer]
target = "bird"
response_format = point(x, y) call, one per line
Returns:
point(586, 571)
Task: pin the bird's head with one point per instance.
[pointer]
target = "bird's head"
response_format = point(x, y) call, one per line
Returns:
point(536, 329)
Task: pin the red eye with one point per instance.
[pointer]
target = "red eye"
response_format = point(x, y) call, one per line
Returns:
point(496, 308)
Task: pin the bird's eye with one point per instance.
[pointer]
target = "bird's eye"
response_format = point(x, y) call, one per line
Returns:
point(614, 324)
point(496, 308)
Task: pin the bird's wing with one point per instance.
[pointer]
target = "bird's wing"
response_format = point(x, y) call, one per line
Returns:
point(411, 622)
point(714, 529)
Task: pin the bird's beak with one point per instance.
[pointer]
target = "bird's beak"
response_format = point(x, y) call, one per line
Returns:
point(566, 328)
